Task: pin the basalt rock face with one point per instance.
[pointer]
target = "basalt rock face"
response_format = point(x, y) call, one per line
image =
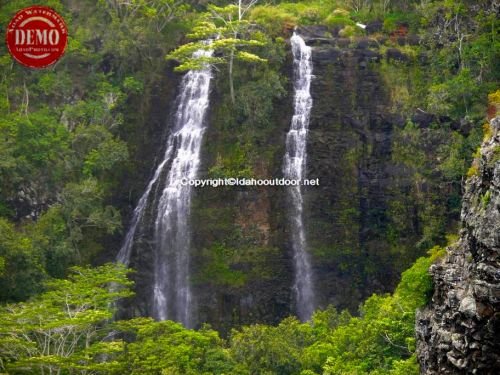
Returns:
point(147, 145)
point(367, 216)
point(459, 332)
point(241, 272)
point(349, 150)
point(362, 223)
point(379, 187)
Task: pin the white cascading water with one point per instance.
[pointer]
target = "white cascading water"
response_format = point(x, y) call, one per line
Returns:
point(294, 169)
point(126, 249)
point(172, 292)
point(172, 297)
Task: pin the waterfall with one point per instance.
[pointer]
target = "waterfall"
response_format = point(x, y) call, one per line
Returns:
point(294, 168)
point(171, 292)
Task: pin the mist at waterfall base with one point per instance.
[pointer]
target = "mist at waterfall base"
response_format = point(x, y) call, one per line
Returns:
point(294, 165)
point(171, 292)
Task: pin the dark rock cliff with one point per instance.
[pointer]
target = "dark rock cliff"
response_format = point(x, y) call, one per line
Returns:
point(459, 332)
point(154, 111)
point(379, 205)
point(366, 220)
point(349, 150)
point(372, 215)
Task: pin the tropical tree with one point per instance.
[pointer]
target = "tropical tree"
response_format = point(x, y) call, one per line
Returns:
point(168, 348)
point(66, 327)
point(225, 31)
point(158, 12)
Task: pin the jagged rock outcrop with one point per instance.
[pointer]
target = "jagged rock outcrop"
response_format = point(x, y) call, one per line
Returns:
point(459, 332)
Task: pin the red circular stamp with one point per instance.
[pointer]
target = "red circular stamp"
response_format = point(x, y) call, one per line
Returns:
point(37, 36)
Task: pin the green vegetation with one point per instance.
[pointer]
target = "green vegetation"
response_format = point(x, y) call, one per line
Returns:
point(217, 268)
point(69, 329)
point(228, 33)
point(496, 155)
point(76, 145)
point(235, 164)
point(485, 199)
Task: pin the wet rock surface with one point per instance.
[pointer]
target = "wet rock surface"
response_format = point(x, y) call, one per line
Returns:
point(242, 261)
point(459, 332)
point(352, 134)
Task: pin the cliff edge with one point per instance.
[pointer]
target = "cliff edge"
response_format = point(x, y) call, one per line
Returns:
point(459, 331)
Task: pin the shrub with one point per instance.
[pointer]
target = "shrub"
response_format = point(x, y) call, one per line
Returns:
point(350, 31)
point(314, 12)
point(494, 97)
point(275, 20)
point(485, 199)
point(341, 12)
point(487, 131)
point(393, 20)
point(334, 20)
point(473, 171)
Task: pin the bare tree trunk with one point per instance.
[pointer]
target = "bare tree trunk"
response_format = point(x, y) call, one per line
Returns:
point(231, 83)
point(26, 100)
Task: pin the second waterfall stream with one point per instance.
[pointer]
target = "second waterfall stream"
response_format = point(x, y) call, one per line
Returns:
point(166, 230)
point(172, 298)
point(294, 168)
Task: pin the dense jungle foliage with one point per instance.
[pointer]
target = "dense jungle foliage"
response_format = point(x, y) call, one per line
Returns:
point(70, 140)
point(69, 328)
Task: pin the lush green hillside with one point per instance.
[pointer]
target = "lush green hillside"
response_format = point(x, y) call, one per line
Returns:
point(69, 328)
point(399, 110)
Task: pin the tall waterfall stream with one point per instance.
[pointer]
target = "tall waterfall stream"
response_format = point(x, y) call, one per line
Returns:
point(172, 297)
point(294, 167)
